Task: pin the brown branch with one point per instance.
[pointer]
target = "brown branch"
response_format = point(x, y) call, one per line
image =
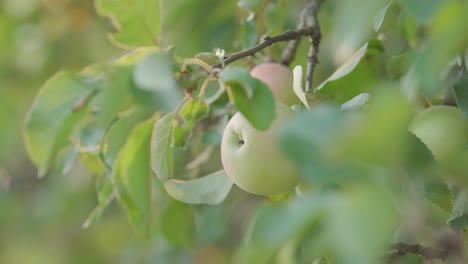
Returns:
point(310, 13)
point(426, 253)
point(267, 41)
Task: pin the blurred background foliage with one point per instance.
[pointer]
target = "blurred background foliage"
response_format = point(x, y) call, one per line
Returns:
point(41, 219)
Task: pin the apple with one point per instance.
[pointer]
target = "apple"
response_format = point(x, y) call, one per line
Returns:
point(444, 129)
point(253, 158)
point(279, 79)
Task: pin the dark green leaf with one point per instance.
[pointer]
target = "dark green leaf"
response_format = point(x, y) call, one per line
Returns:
point(251, 97)
point(210, 189)
point(132, 176)
point(137, 21)
point(56, 110)
point(460, 88)
point(162, 147)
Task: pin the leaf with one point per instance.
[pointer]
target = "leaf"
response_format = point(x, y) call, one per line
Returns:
point(55, 111)
point(105, 197)
point(154, 72)
point(117, 134)
point(399, 65)
point(438, 193)
point(114, 97)
point(459, 217)
point(424, 13)
point(384, 126)
point(251, 97)
point(274, 225)
point(356, 102)
point(460, 88)
point(359, 74)
point(207, 24)
point(307, 145)
point(379, 18)
point(210, 189)
point(442, 46)
point(137, 21)
point(191, 112)
point(248, 34)
point(194, 110)
point(132, 176)
point(177, 224)
point(162, 147)
point(361, 224)
point(297, 86)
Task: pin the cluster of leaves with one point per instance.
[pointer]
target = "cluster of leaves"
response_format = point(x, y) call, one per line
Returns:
point(149, 125)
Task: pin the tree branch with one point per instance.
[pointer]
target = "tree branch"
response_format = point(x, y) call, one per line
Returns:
point(310, 13)
point(267, 41)
point(426, 253)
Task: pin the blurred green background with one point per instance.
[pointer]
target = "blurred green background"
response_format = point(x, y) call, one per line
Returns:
point(41, 219)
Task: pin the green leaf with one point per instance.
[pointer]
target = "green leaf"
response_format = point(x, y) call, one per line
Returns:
point(207, 24)
point(275, 225)
point(177, 224)
point(439, 193)
point(359, 74)
point(137, 21)
point(308, 140)
point(105, 191)
point(248, 34)
point(361, 224)
point(400, 64)
point(210, 189)
point(132, 176)
point(251, 97)
point(162, 147)
point(56, 110)
point(191, 112)
point(459, 217)
point(194, 110)
point(443, 45)
point(383, 127)
point(379, 18)
point(154, 73)
point(423, 13)
point(117, 134)
point(460, 88)
point(114, 97)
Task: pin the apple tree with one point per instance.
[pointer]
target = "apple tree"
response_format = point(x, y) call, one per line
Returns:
point(272, 131)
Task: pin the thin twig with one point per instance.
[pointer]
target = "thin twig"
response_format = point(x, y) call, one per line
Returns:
point(311, 10)
point(267, 41)
point(426, 253)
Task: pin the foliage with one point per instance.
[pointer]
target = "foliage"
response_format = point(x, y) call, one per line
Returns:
point(148, 126)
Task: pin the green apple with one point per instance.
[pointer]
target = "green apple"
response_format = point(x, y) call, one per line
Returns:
point(253, 159)
point(444, 129)
point(279, 79)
